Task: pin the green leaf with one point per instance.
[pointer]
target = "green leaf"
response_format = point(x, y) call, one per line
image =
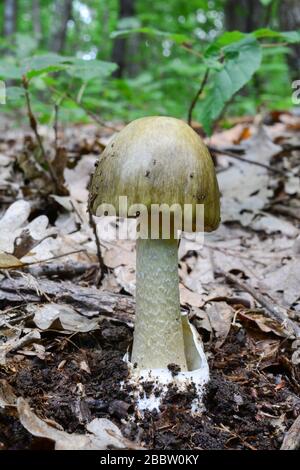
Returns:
point(290, 37)
point(14, 93)
point(10, 71)
point(90, 69)
point(45, 70)
point(242, 59)
point(178, 38)
point(37, 65)
point(25, 45)
point(224, 40)
point(265, 3)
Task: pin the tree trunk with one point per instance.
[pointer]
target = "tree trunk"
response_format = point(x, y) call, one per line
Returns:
point(120, 47)
point(289, 19)
point(62, 14)
point(36, 20)
point(10, 17)
point(245, 15)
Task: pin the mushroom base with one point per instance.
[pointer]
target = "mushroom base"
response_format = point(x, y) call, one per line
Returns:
point(150, 387)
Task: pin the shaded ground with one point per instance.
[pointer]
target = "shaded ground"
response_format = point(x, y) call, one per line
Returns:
point(59, 347)
point(244, 403)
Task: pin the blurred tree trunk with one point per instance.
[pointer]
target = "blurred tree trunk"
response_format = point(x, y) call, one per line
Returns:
point(289, 19)
point(124, 47)
point(244, 15)
point(36, 20)
point(62, 14)
point(10, 17)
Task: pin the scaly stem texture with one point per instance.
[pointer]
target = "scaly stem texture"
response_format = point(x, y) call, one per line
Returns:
point(158, 336)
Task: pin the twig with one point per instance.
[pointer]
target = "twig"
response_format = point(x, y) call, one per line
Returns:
point(55, 127)
point(285, 210)
point(25, 265)
point(34, 127)
point(228, 153)
point(196, 97)
point(272, 310)
point(102, 267)
point(68, 269)
point(291, 440)
point(189, 49)
point(87, 111)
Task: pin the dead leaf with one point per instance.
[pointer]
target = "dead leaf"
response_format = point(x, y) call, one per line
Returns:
point(102, 433)
point(9, 261)
point(220, 316)
point(7, 395)
point(61, 317)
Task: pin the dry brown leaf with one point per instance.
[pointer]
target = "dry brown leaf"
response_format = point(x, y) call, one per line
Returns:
point(102, 433)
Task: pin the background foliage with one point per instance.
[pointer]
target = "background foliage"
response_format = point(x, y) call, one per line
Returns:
point(121, 59)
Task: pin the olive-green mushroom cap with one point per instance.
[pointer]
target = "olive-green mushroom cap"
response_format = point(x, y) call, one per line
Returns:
point(157, 160)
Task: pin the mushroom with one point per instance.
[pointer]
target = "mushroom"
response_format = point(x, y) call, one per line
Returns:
point(153, 161)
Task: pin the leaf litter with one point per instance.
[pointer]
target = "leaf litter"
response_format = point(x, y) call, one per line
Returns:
point(62, 339)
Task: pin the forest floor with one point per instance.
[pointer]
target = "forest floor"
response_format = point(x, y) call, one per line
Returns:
point(64, 330)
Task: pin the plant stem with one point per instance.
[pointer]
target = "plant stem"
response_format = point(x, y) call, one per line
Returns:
point(34, 127)
point(158, 337)
point(196, 97)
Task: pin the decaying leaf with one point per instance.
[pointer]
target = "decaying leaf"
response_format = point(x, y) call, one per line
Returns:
point(286, 280)
point(9, 261)
point(61, 317)
point(17, 342)
point(7, 395)
point(102, 434)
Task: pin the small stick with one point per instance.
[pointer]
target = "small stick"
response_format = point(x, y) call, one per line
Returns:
point(87, 111)
point(291, 440)
point(25, 265)
point(102, 267)
point(55, 127)
point(34, 127)
point(272, 310)
point(213, 149)
point(197, 96)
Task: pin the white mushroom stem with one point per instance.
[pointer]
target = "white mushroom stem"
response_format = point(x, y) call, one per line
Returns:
point(158, 336)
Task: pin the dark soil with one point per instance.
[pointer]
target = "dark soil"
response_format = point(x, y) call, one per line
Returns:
point(81, 381)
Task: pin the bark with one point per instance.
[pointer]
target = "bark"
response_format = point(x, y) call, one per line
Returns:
point(36, 20)
point(10, 17)
point(121, 48)
point(289, 19)
point(245, 15)
point(62, 14)
point(85, 299)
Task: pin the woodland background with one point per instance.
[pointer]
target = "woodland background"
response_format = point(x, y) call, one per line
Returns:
point(161, 51)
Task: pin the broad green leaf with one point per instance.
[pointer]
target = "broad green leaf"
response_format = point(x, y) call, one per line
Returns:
point(224, 40)
point(178, 38)
point(90, 69)
point(10, 71)
point(25, 45)
point(242, 59)
point(14, 93)
point(43, 62)
point(290, 37)
point(45, 70)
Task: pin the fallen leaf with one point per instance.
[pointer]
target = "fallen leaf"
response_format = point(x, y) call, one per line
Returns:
point(61, 317)
point(102, 433)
